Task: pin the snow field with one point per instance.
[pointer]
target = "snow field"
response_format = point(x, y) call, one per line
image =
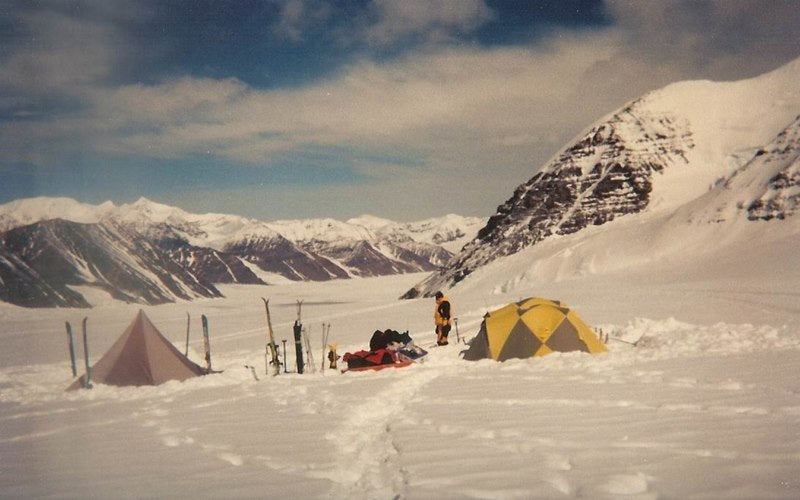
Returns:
point(695, 410)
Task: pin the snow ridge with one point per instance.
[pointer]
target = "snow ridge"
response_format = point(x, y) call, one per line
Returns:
point(660, 154)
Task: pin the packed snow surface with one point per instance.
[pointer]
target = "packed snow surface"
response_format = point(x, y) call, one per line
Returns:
point(706, 405)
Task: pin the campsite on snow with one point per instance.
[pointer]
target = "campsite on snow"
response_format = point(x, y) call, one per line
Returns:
point(671, 226)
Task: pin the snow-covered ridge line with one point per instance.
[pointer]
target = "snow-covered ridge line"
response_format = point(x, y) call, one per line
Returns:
point(187, 254)
point(723, 149)
point(216, 230)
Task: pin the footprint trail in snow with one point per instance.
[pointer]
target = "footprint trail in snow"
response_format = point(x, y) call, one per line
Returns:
point(369, 464)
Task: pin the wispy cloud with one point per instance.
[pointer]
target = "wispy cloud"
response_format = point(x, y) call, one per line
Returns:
point(60, 54)
point(428, 20)
point(297, 17)
point(452, 104)
point(722, 39)
point(61, 48)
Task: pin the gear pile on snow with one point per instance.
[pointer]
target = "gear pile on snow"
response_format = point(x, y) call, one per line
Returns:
point(386, 348)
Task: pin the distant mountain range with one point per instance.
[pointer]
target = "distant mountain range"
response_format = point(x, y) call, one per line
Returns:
point(151, 253)
point(710, 151)
point(662, 173)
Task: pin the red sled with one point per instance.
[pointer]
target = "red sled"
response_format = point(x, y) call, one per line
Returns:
point(399, 364)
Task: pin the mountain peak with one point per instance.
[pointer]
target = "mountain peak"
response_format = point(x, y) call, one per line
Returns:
point(370, 222)
point(658, 153)
point(31, 210)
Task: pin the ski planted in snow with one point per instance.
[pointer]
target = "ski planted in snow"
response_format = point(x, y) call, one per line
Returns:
point(298, 346)
point(87, 380)
point(325, 334)
point(188, 319)
point(271, 350)
point(71, 344)
point(206, 342)
point(298, 334)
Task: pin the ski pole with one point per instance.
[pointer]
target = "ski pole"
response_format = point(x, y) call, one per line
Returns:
point(284, 356)
point(309, 354)
point(458, 336)
point(624, 341)
point(252, 371)
point(323, 348)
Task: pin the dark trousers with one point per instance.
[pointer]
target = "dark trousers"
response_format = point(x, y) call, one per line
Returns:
point(442, 332)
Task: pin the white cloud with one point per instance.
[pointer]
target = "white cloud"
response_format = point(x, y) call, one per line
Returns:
point(457, 110)
point(61, 54)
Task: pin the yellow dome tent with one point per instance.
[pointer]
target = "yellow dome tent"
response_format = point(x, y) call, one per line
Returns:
point(532, 327)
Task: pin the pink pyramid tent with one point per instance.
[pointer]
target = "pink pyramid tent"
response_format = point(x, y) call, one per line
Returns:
point(141, 356)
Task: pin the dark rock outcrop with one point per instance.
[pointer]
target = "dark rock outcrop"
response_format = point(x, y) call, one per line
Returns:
point(606, 174)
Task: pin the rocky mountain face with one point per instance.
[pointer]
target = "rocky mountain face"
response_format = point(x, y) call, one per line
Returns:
point(656, 153)
point(151, 253)
point(780, 197)
point(41, 261)
point(606, 174)
point(282, 257)
point(375, 247)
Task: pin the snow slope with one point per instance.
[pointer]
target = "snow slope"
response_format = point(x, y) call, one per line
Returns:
point(706, 404)
point(728, 120)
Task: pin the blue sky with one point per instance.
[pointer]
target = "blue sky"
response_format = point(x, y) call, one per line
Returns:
point(281, 109)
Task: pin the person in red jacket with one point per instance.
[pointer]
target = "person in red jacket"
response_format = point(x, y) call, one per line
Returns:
point(441, 317)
